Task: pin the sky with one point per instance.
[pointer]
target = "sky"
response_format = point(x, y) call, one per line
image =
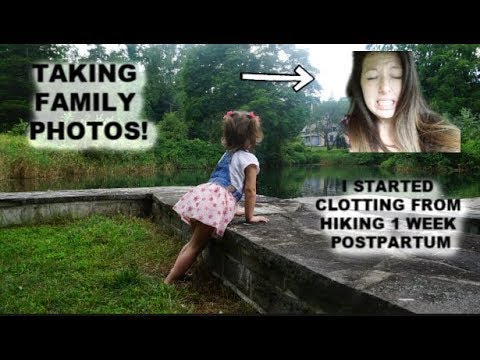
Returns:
point(334, 62)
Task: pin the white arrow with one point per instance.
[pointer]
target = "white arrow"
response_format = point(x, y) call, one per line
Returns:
point(303, 78)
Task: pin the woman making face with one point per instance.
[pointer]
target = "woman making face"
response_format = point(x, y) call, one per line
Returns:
point(387, 110)
point(381, 83)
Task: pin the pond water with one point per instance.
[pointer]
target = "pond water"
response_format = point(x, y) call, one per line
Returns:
point(283, 183)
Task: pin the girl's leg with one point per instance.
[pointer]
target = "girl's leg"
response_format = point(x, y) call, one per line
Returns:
point(193, 225)
point(201, 234)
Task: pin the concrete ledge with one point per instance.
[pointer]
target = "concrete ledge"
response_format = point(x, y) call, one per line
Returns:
point(249, 259)
point(39, 207)
point(285, 266)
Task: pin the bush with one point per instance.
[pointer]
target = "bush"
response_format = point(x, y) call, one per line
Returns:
point(187, 153)
point(470, 156)
point(405, 162)
point(172, 128)
point(19, 129)
point(11, 111)
point(469, 125)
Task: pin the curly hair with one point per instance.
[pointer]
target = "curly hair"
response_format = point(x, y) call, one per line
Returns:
point(241, 130)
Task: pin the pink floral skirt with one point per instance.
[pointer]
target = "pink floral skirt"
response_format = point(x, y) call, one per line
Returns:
point(208, 203)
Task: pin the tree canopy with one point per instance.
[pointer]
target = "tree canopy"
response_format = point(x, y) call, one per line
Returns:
point(16, 84)
point(209, 86)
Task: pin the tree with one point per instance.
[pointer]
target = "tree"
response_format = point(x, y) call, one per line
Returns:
point(171, 127)
point(16, 83)
point(209, 85)
point(96, 53)
point(450, 76)
point(159, 93)
point(326, 119)
point(134, 52)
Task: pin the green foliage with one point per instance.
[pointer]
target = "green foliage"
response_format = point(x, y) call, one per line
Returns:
point(209, 86)
point(19, 129)
point(133, 52)
point(326, 117)
point(197, 82)
point(470, 156)
point(113, 158)
point(298, 147)
point(450, 76)
point(417, 162)
point(96, 53)
point(16, 85)
point(161, 65)
point(19, 160)
point(172, 128)
point(12, 111)
point(297, 153)
point(367, 159)
point(469, 124)
point(193, 154)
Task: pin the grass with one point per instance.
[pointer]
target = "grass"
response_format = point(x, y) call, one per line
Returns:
point(297, 153)
point(102, 265)
point(20, 160)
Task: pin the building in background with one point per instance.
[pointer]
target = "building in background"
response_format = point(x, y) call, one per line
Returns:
point(313, 135)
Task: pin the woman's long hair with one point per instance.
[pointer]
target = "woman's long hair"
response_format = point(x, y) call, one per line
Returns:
point(417, 128)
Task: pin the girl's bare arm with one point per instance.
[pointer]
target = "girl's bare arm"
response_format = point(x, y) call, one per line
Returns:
point(251, 195)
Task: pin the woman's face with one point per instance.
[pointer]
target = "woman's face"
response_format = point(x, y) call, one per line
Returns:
point(381, 83)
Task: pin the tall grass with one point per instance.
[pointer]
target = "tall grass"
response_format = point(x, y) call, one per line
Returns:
point(19, 160)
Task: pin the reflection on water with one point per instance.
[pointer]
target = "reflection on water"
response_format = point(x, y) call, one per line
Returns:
point(300, 182)
point(327, 181)
point(282, 183)
point(165, 178)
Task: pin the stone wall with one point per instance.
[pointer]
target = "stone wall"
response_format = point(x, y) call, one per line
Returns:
point(41, 207)
point(267, 280)
point(286, 265)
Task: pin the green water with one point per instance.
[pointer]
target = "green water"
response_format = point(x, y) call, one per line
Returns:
point(282, 183)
